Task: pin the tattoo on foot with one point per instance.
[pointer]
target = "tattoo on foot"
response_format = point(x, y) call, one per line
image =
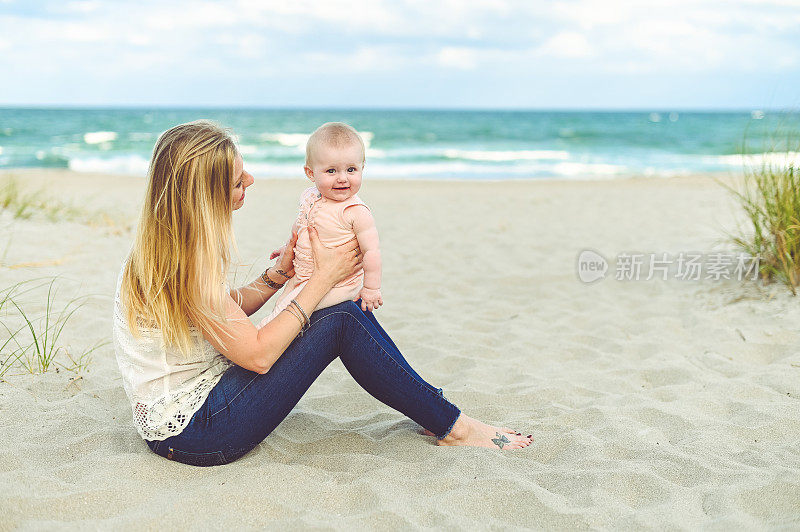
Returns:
point(500, 440)
point(281, 272)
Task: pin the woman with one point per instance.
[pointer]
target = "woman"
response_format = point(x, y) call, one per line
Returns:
point(205, 385)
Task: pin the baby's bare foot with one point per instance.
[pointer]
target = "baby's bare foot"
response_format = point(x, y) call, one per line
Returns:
point(471, 432)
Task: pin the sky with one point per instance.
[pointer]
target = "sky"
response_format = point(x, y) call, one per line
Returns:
point(496, 54)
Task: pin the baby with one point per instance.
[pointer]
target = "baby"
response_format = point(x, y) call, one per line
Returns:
point(335, 157)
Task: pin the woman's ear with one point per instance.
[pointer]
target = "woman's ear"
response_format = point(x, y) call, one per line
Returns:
point(309, 173)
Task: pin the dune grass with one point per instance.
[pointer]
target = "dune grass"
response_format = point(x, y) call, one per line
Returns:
point(7, 356)
point(770, 198)
point(24, 204)
point(33, 341)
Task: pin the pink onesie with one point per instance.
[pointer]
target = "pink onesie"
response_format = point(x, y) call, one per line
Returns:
point(333, 230)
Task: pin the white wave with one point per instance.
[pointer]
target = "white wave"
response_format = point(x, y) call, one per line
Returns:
point(500, 156)
point(786, 158)
point(266, 170)
point(298, 140)
point(378, 170)
point(97, 137)
point(467, 170)
point(286, 139)
point(1, 150)
point(531, 169)
point(120, 164)
point(453, 169)
point(247, 149)
point(757, 114)
point(421, 170)
point(367, 137)
point(651, 171)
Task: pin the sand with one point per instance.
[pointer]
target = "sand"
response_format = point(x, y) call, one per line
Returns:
point(654, 404)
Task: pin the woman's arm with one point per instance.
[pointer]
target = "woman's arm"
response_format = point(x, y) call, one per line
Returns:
point(257, 349)
point(252, 297)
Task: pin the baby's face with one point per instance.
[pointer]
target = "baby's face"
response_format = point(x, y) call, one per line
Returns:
point(337, 171)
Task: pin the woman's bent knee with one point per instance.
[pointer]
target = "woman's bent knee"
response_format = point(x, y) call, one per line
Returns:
point(353, 308)
point(345, 307)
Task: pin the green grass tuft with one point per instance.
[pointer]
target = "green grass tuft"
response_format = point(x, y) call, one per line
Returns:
point(33, 341)
point(770, 198)
point(24, 204)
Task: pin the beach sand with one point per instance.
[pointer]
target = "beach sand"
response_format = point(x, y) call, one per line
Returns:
point(653, 404)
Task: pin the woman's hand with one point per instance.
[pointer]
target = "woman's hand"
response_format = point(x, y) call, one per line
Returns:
point(285, 254)
point(334, 264)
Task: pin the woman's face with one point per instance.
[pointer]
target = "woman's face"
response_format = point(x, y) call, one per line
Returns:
point(241, 180)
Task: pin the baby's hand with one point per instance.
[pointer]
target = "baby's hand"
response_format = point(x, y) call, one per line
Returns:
point(277, 252)
point(370, 298)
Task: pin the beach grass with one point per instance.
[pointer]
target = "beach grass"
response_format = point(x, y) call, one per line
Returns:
point(11, 353)
point(769, 196)
point(8, 356)
point(33, 341)
point(24, 204)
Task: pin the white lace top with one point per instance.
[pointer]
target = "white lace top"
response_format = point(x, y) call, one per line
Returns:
point(165, 388)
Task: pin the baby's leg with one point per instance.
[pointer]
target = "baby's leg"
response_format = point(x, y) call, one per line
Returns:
point(339, 294)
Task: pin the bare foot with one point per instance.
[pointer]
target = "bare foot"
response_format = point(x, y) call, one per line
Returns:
point(469, 431)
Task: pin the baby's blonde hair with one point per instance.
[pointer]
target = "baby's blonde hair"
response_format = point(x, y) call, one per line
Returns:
point(334, 134)
point(175, 274)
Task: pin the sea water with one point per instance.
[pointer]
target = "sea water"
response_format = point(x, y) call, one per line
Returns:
point(423, 144)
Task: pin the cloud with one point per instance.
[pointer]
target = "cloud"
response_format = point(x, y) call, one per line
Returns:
point(86, 6)
point(460, 58)
point(569, 44)
point(111, 43)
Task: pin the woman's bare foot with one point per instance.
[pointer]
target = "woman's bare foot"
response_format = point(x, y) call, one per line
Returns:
point(469, 431)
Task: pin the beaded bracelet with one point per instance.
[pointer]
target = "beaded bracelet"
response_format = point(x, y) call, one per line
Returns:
point(303, 324)
point(269, 282)
point(296, 304)
point(291, 311)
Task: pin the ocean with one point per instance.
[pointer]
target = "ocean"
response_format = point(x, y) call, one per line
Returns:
point(422, 144)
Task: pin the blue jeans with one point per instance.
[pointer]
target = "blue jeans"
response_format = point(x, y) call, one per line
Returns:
point(244, 406)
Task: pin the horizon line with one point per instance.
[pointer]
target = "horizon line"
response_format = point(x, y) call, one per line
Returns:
point(81, 107)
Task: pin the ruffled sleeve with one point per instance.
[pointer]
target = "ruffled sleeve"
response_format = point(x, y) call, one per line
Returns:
point(307, 200)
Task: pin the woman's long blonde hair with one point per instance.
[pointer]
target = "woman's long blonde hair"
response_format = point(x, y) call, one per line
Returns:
point(175, 275)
